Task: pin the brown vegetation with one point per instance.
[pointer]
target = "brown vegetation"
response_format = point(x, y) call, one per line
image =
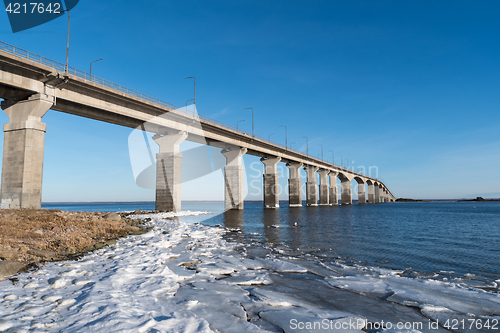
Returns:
point(25, 231)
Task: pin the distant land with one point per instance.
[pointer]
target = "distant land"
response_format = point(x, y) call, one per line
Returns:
point(477, 199)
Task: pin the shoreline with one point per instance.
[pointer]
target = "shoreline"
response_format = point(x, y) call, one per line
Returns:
point(178, 271)
point(33, 237)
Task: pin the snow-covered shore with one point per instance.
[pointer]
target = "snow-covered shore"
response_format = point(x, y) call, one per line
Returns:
point(182, 277)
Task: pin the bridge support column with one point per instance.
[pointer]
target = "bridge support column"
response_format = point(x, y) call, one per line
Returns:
point(311, 186)
point(169, 171)
point(233, 177)
point(271, 185)
point(377, 194)
point(346, 192)
point(324, 188)
point(361, 194)
point(24, 142)
point(334, 200)
point(371, 194)
point(294, 185)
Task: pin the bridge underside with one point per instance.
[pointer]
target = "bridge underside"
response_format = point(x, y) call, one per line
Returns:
point(30, 89)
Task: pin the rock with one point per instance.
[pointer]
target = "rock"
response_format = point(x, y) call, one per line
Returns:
point(38, 231)
point(137, 211)
point(98, 246)
point(71, 250)
point(110, 242)
point(189, 264)
point(88, 249)
point(43, 254)
point(56, 229)
point(8, 255)
point(9, 267)
point(132, 230)
point(112, 217)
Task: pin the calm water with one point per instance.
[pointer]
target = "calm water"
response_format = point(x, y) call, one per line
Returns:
point(462, 237)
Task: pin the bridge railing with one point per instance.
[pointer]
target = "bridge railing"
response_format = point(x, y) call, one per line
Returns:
point(92, 78)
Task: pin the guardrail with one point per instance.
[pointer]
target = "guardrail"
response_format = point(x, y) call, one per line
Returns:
point(92, 78)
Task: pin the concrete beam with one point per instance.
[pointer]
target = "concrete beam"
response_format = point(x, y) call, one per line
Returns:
point(233, 177)
point(334, 199)
point(311, 186)
point(294, 185)
point(169, 171)
point(24, 141)
point(271, 184)
point(324, 188)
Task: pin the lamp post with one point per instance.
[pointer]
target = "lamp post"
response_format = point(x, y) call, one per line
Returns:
point(321, 152)
point(194, 90)
point(239, 121)
point(333, 157)
point(292, 144)
point(67, 43)
point(307, 144)
point(269, 137)
point(253, 133)
point(91, 66)
point(286, 136)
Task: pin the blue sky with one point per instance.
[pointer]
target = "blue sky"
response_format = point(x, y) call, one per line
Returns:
point(411, 87)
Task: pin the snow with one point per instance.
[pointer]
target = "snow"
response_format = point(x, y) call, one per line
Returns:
point(182, 277)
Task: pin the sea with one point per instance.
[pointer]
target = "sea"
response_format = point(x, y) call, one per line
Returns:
point(451, 241)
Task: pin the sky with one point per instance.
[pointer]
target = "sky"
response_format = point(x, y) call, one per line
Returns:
point(409, 88)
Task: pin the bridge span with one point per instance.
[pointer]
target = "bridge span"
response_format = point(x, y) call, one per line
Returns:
point(31, 85)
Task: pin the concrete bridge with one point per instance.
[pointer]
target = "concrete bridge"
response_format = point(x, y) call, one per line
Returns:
point(31, 85)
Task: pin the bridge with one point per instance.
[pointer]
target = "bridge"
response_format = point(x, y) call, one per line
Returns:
point(31, 85)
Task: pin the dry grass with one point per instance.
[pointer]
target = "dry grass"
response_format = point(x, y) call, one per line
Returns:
point(54, 230)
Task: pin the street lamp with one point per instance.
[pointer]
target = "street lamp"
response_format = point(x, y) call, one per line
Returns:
point(239, 121)
point(333, 157)
point(307, 144)
point(91, 66)
point(194, 90)
point(67, 44)
point(321, 152)
point(292, 144)
point(269, 138)
point(253, 133)
point(286, 136)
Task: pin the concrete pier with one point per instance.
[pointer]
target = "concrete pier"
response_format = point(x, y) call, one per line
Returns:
point(324, 188)
point(311, 186)
point(169, 171)
point(377, 193)
point(334, 199)
point(271, 185)
point(361, 193)
point(294, 185)
point(371, 193)
point(233, 177)
point(346, 192)
point(24, 140)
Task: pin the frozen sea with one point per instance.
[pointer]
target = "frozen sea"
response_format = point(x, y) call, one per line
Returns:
point(399, 267)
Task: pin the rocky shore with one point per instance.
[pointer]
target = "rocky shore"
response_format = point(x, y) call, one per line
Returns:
point(33, 237)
